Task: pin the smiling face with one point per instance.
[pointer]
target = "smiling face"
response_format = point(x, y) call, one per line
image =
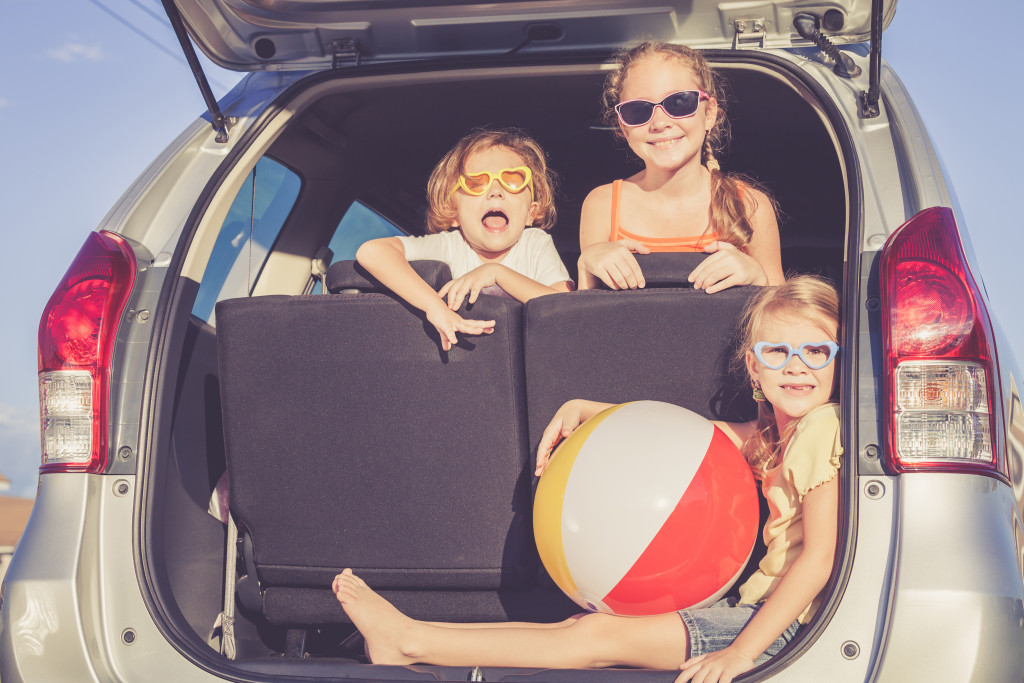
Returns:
point(794, 389)
point(493, 222)
point(665, 142)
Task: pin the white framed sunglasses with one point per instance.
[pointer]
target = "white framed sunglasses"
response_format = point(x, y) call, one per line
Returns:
point(679, 105)
point(815, 355)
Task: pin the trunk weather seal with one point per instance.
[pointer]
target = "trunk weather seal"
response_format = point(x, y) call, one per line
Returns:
point(154, 595)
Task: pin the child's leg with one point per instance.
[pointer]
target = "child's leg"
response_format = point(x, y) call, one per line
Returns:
point(505, 624)
point(594, 640)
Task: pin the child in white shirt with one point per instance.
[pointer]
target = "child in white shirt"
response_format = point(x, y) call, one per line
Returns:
point(483, 195)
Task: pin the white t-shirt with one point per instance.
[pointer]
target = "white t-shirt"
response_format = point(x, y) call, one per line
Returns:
point(534, 255)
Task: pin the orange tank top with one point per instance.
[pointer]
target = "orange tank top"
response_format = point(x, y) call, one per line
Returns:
point(655, 244)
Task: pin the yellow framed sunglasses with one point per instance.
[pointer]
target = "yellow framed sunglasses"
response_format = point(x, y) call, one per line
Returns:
point(514, 180)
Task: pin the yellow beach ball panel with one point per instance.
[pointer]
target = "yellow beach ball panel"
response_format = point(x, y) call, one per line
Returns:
point(547, 506)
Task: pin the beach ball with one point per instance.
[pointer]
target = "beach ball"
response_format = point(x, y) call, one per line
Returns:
point(646, 508)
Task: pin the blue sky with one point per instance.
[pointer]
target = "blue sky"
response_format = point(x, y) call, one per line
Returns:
point(93, 90)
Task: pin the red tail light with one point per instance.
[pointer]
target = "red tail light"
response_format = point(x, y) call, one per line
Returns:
point(940, 374)
point(76, 340)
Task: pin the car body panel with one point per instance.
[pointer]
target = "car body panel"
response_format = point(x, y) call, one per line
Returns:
point(77, 594)
point(42, 606)
point(248, 35)
point(967, 618)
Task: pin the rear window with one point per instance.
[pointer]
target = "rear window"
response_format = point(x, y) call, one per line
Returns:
point(254, 221)
point(359, 224)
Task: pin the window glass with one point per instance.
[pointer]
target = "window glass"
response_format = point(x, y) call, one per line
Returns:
point(359, 224)
point(243, 244)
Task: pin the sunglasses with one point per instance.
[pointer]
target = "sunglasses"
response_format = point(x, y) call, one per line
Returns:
point(678, 105)
point(514, 180)
point(815, 355)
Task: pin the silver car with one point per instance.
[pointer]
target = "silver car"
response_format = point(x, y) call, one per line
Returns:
point(214, 348)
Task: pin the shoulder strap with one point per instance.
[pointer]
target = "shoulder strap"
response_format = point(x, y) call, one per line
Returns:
point(616, 189)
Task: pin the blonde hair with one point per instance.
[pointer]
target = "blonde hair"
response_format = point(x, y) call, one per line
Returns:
point(441, 203)
point(805, 297)
point(732, 203)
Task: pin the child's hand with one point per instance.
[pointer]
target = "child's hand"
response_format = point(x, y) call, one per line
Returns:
point(566, 420)
point(726, 267)
point(447, 323)
point(469, 284)
point(721, 666)
point(614, 264)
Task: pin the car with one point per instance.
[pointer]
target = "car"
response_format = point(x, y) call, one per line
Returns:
point(213, 347)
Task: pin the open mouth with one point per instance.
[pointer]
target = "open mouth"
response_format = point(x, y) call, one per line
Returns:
point(495, 221)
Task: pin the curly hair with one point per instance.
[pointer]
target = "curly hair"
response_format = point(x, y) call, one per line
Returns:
point(441, 204)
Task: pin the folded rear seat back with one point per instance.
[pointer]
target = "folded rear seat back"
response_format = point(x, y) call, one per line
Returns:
point(664, 342)
point(353, 441)
point(667, 342)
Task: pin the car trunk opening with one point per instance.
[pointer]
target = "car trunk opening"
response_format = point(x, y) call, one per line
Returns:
point(356, 138)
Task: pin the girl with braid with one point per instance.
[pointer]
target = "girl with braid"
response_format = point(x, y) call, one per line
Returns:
point(666, 102)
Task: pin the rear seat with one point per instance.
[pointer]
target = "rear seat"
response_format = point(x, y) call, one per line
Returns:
point(353, 441)
point(664, 343)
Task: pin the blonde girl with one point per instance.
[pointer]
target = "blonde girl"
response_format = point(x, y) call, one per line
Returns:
point(667, 104)
point(483, 197)
point(789, 350)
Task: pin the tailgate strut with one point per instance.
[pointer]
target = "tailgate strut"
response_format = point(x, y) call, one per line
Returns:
point(869, 99)
point(219, 122)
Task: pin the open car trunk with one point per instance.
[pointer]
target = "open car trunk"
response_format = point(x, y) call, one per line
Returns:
point(327, 389)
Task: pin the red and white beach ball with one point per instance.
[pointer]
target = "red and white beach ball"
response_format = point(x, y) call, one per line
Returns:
point(646, 508)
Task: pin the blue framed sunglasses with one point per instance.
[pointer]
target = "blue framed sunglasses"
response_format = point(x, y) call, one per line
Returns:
point(815, 355)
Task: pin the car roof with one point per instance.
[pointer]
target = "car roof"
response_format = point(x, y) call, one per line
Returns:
point(253, 35)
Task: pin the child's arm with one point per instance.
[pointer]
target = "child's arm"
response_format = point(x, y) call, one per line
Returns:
point(385, 259)
point(515, 284)
point(567, 418)
point(759, 263)
point(795, 591)
point(600, 260)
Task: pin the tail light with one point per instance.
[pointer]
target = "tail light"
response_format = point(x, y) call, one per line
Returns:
point(940, 369)
point(76, 340)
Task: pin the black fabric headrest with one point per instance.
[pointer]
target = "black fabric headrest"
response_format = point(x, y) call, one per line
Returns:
point(349, 275)
point(667, 269)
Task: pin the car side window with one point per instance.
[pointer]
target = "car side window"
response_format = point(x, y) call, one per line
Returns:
point(359, 224)
point(253, 223)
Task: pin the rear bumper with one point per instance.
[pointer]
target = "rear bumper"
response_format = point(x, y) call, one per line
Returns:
point(944, 601)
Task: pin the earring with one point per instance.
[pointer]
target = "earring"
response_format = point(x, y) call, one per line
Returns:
point(757, 393)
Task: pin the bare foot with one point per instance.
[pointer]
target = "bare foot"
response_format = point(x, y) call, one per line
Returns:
point(384, 627)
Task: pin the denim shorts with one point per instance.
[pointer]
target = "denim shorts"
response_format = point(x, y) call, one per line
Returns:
point(711, 629)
